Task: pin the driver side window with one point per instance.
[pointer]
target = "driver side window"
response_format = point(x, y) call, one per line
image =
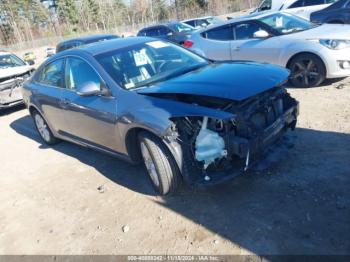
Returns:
point(245, 31)
point(80, 73)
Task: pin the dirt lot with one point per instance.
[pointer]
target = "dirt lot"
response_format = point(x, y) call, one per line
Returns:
point(50, 202)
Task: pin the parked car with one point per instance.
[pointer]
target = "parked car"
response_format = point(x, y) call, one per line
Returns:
point(337, 13)
point(302, 8)
point(172, 31)
point(139, 98)
point(50, 51)
point(202, 22)
point(71, 43)
point(29, 57)
point(312, 52)
point(13, 72)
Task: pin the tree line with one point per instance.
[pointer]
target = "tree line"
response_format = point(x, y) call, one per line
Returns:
point(27, 20)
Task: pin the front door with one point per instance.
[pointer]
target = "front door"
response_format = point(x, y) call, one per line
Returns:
point(246, 47)
point(90, 119)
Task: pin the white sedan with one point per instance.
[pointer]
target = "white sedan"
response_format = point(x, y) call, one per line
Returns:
point(312, 52)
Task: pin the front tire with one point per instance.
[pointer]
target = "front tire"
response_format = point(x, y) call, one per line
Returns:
point(160, 164)
point(307, 70)
point(43, 129)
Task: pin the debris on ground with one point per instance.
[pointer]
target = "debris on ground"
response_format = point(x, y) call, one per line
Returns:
point(101, 189)
point(125, 228)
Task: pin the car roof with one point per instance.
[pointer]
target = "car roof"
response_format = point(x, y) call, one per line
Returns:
point(4, 53)
point(87, 38)
point(253, 16)
point(161, 24)
point(107, 46)
point(197, 18)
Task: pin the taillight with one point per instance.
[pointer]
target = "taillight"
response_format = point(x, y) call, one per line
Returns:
point(188, 44)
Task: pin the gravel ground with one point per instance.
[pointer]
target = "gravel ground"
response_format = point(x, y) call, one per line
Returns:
point(71, 200)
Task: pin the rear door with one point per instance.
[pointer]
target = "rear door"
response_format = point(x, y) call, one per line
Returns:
point(90, 119)
point(246, 47)
point(216, 43)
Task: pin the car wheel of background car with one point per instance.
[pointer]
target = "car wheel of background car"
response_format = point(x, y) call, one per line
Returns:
point(307, 70)
point(44, 129)
point(160, 164)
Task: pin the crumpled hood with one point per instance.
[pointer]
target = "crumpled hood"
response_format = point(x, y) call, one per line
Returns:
point(13, 71)
point(325, 31)
point(232, 80)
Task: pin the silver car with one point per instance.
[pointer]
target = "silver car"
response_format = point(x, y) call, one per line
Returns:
point(311, 52)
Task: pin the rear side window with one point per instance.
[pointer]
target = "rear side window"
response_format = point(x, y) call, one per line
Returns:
point(314, 2)
point(299, 3)
point(52, 74)
point(224, 33)
point(163, 31)
point(191, 23)
point(246, 31)
point(151, 32)
point(80, 73)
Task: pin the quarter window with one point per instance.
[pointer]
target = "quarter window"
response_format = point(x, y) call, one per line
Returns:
point(52, 74)
point(297, 4)
point(224, 33)
point(246, 31)
point(80, 73)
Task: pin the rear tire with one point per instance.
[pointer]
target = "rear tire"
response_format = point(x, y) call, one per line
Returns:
point(307, 70)
point(43, 129)
point(160, 164)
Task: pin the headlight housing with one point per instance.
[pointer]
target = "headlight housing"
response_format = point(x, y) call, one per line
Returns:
point(335, 44)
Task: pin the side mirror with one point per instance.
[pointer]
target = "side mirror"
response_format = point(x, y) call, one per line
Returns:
point(31, 62)
point(89, 89)
point(261, 34)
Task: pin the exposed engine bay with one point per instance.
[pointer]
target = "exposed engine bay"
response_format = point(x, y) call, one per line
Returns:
point(214, 150)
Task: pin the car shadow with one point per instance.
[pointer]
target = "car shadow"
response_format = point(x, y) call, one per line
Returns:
point(327, 82)
point(300, 205)
point(10, 110)
point(114, 169)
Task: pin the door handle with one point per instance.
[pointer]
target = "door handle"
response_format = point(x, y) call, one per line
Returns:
point(237, 48)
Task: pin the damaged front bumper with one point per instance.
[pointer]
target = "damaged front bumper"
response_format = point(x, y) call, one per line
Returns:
point(10, 92)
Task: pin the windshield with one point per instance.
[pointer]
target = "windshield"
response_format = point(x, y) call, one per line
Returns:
point(10, 61)
point(265, 5)
point(148, 63)
point(286, 23)
point(181, 27)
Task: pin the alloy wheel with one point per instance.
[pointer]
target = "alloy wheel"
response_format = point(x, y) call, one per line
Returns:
point(305, 73)
point(42, 127)
point(150, 165)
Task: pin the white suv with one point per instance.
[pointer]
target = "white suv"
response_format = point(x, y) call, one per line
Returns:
point(302, 8)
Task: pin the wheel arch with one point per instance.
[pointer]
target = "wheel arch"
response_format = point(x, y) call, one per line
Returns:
point(133, 147)
point(306, 53)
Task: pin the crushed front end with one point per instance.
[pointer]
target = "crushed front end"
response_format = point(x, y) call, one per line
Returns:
point(214, 151)
point(10, 89)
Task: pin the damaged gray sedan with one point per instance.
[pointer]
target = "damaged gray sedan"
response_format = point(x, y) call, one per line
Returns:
point(145, 100)
point(13, 72)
